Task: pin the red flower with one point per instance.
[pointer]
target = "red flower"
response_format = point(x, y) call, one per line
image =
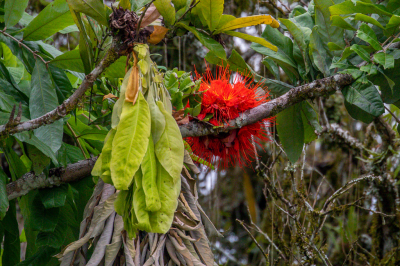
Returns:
point(225, 101)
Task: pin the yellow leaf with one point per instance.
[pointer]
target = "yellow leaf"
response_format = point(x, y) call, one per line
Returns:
point(157, 35)
point(246, 22)
point(253, 39)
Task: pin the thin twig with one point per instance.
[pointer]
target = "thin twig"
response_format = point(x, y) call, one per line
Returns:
point(24, 45)
point(141, 18)
point(254, 240)
point(77, 140)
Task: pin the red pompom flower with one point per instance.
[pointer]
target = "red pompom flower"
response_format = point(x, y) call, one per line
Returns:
point(224, 101)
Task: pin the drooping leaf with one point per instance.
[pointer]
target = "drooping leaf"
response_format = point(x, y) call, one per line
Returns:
point(92, 8)
point(254, 39)
point(212, 11)
point(207, 41)
point(33, 140)
point(386, 79)
point(43, 100)
point(54, 17)
point(236, 23)
point(290, 128)
point(384, 59)
point(168, 190)
point(366, 34)
point(365, 97)
point(105, 173)
point(139, 204)
point(13, 11)
point(166, 10)
point(130, 142)
point(149, 179)
point(70, 60)
point(170, 149)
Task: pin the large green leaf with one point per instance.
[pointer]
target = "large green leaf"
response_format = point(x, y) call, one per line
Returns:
point(130, 142)
point(43, 100)
point(326, 30)
point(318, 53)
point(157, 118)
point(11, 244)
point(212, 11)
point(41, 257)
point(290, 128)
point(7, 102)
point(53, 18)
point(384, 59)
point(70, 60)
point(54, 238)
point(206, 40)
point(3, 194)
point(149, 181)
point(54, 197)
point(94, 8)
point(13, 11)
point(350, 7)
point(169, 149)
point(366, 34)
point(42, 219)
point(276, 87)
point(166, 10)
point(105, 173)
point(33, 140)
point(364, 96)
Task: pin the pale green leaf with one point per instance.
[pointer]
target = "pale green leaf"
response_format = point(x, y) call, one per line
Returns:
point(242, 22)
point(384, 59)
point(169, 149)
point(149, 181)
point(130, 142)
point(368, 19)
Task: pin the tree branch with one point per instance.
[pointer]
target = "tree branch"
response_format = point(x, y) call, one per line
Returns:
point(343, 136)
point(81, 169)
point(314, 89)
point(57, 176)
point(69, 104)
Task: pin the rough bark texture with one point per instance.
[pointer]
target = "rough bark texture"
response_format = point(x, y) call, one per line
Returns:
point(314, 89)
point(57, 176)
